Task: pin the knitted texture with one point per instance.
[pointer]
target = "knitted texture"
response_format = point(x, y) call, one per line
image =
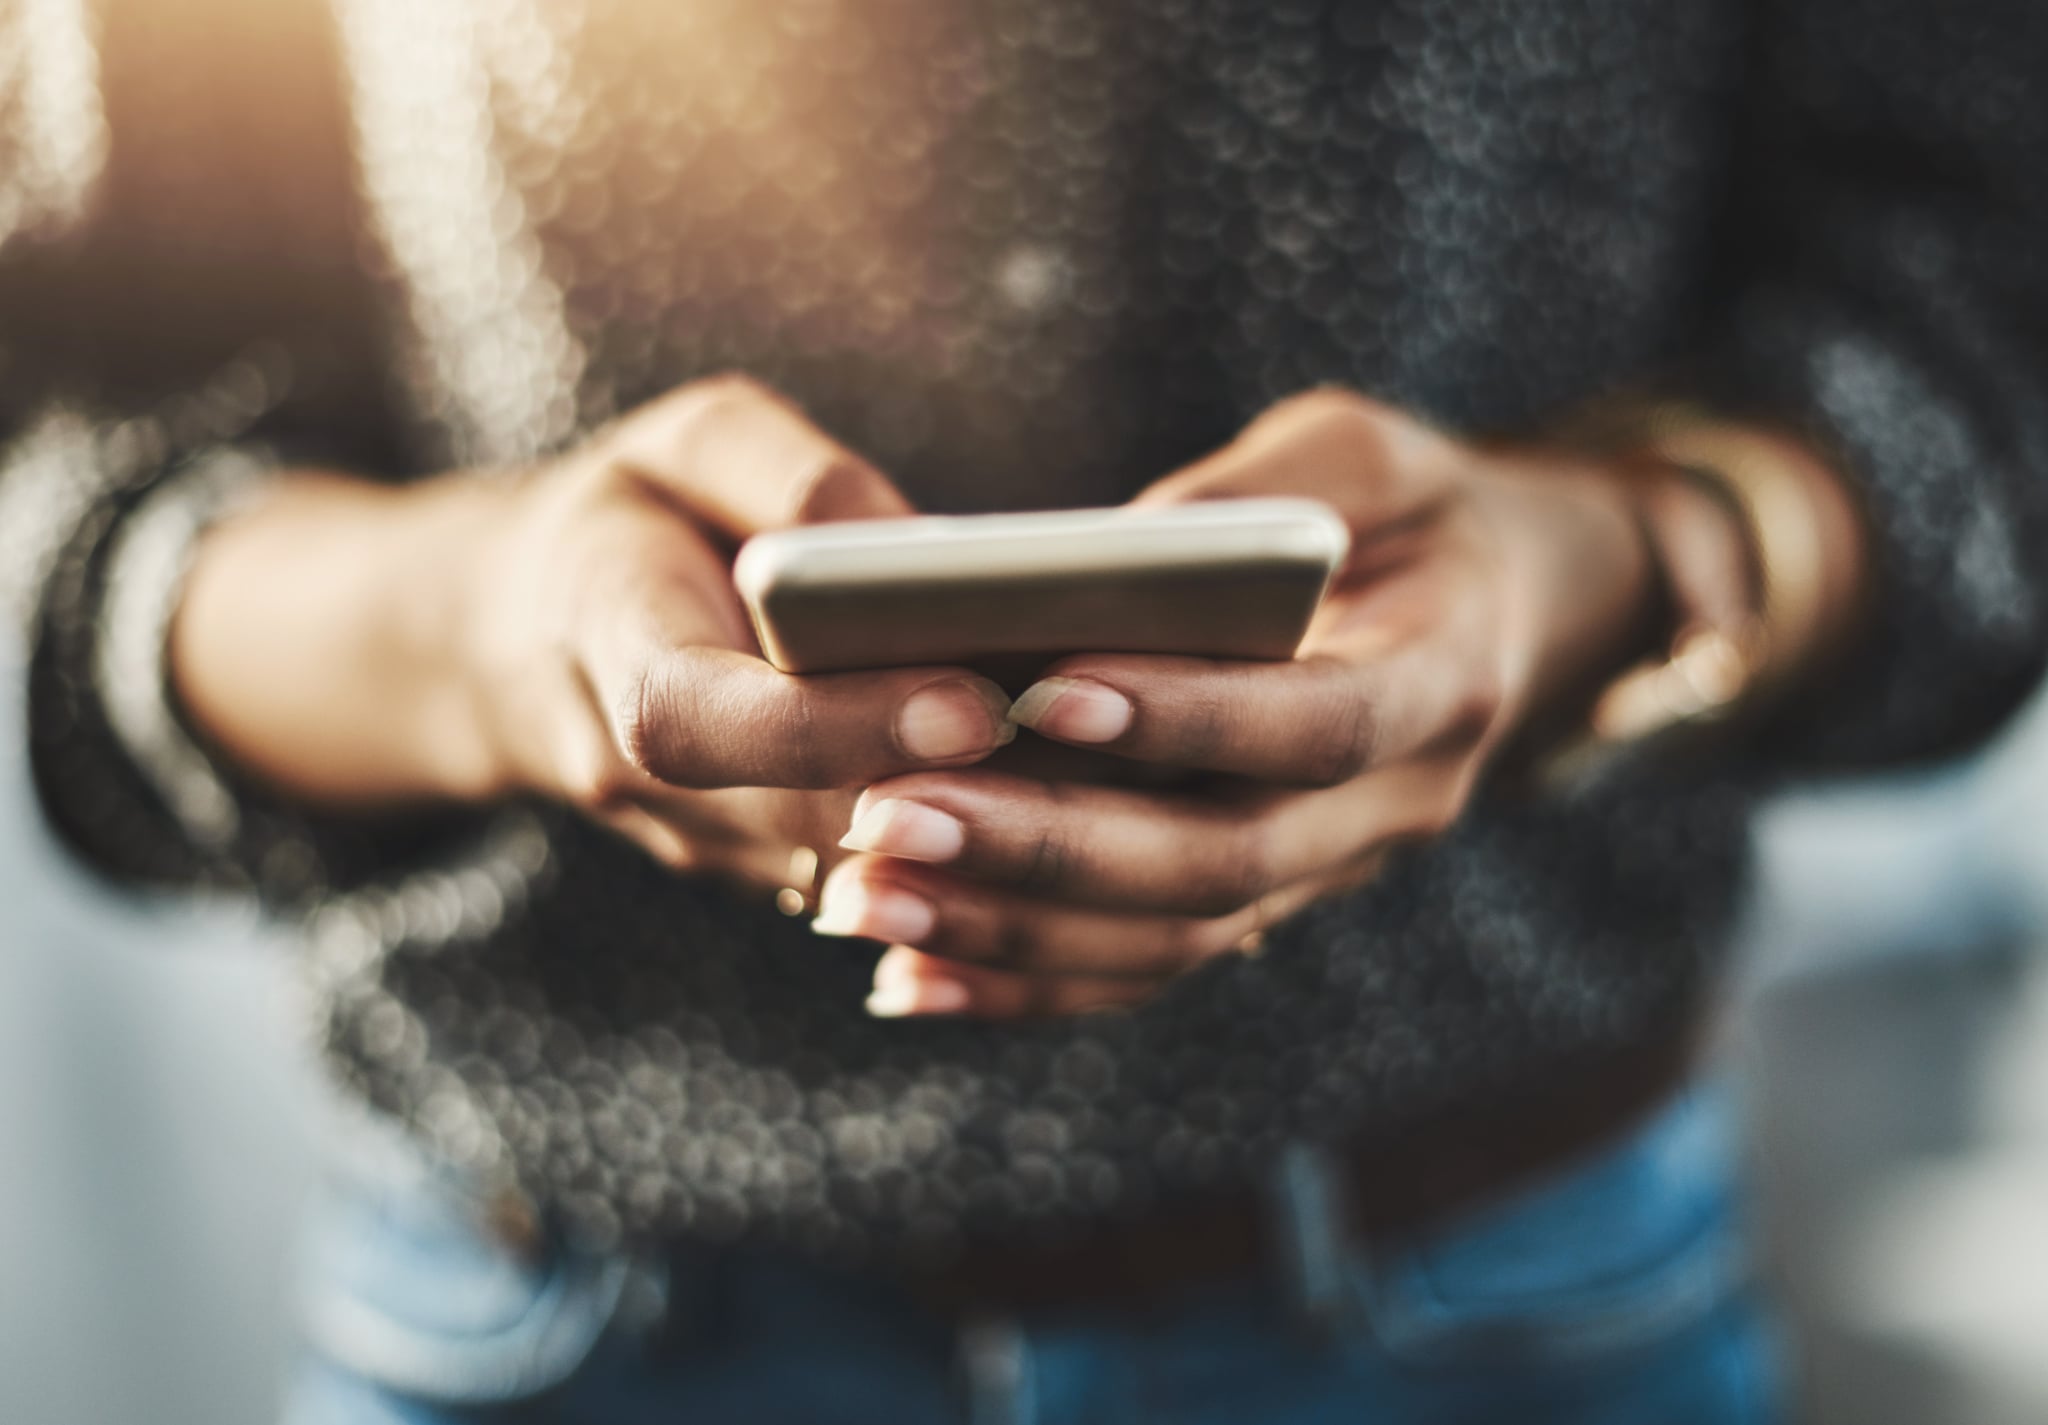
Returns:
point(1033, 253)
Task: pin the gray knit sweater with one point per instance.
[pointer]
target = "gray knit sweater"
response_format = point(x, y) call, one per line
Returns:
point(1020, 253)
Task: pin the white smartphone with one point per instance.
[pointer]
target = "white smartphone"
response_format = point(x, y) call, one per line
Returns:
point(1220, 579)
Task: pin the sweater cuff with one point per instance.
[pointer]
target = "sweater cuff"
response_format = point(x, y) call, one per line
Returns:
point(145, 579)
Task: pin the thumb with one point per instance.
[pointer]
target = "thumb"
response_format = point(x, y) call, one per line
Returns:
point(740, 459)
point(1369, 462)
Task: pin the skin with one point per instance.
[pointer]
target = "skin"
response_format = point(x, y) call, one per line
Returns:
point(573, 633)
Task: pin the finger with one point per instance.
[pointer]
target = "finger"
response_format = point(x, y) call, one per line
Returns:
point(651, 834)
point(693, 844)
point(911, 984)
point(1371, 463)
point(767, 837)
point(1109, 848)
point(654, 638)
point(1123, 850)
point(711, 717)
point(743, 459)
point(704, 839)
point(1315, 721)
point(874, 898)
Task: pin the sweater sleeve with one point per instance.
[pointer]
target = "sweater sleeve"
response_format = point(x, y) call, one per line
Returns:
point(122, 778)
point(180, 316)
point(1886, 291)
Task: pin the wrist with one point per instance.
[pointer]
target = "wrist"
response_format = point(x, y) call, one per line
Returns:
point(1762, 551)
point(1759, 549)
point(1587, 579)
point(454, 556)
point(322, 640)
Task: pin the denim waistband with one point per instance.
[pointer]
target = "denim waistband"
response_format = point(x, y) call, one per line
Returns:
point(409, 1285)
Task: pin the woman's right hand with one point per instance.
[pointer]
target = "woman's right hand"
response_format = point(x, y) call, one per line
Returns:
point(614, 668)
point(571, 632)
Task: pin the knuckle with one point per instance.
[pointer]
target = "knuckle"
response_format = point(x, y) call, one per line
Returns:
point(1048, 997)
point(1371, 443)
point(1339, 413)
point(593, 478)
point(1219, 897)
point(691, 724)
point(710, 395)
point(825, 481)
point(1438, 814)
point(643, 721)
point(659, 722)
point(1242, 872)
point(1318, 404)
point(1047, 857)
point(598, 783)
point(1188, 942)
point(1479, 707)
point(681, 417)
point(669, 850)
point(1045, 863)
point(659, 837)
point(1017, 943)
point(1204, 727)
point(1468, 720)
point(1343, 738)
point(800, 745)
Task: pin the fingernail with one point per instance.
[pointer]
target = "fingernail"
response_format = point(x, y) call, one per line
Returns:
point(918, 997)
point(873, 912)
point(954, 720)
point(911, 830)
point(1073, 711)
point(901, 992)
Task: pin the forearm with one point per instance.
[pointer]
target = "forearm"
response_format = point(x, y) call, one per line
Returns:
point(318, 643)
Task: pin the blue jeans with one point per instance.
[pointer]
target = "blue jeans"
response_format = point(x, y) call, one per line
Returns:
point(1613, 1294)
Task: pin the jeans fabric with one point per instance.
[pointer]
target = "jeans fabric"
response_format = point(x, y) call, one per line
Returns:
point(1614, 1293)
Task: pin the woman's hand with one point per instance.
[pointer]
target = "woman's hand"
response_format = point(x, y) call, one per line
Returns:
point(613, 666)
point(1482, 586)
point(572, 632)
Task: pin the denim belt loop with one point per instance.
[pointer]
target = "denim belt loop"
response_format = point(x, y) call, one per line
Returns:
point(1311, 1234)
point(994, 1363)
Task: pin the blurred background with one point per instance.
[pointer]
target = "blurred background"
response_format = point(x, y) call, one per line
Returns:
point(157, 1111)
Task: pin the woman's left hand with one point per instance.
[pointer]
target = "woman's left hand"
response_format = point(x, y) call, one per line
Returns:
point(1482, 586)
